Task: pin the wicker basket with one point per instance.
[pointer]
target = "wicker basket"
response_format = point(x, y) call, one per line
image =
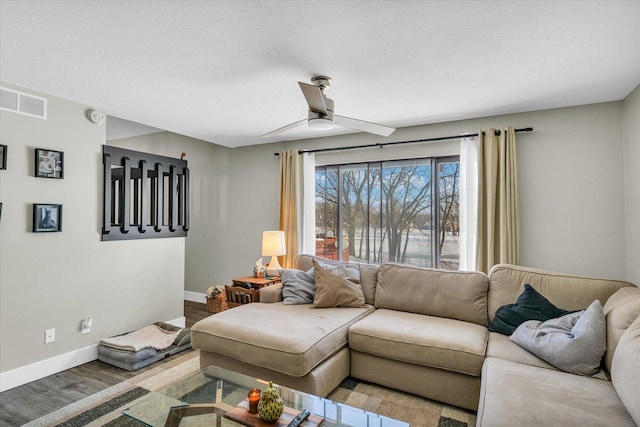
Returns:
point(216, 305)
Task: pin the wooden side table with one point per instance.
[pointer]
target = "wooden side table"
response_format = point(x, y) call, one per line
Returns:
point(238, 293)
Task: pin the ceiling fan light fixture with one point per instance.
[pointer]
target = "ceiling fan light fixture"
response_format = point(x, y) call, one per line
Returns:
point(320, 124)
point(321, 115)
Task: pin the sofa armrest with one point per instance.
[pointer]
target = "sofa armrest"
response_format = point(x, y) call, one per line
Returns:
point(271, 293)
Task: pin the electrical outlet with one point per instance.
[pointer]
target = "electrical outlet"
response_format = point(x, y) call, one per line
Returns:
point(86, 325)
point(49, 336)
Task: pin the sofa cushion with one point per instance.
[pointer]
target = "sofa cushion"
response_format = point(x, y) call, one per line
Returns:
point(337, 285)
point(530, 305)
point(298, 287)
point(291, 339)
point(368, 274)
point(563, 290)
point(460, 295)
point(369, 282)
point(271, 293)
point(620, 311)
point(574, 342)
point(422, 340)
point(514, 394)
point(625, 369)
point(499, 346)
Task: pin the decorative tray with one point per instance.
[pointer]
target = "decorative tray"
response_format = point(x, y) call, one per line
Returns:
point(241, 415)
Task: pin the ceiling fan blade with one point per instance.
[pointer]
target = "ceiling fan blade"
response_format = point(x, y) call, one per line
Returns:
point(284, 128)
point(314, 97)
point(363, 126)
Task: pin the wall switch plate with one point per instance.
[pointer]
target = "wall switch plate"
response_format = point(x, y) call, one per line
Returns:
point(49, 336)
point(86, 325)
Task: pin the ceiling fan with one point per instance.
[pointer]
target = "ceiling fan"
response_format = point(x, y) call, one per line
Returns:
point(321, 115)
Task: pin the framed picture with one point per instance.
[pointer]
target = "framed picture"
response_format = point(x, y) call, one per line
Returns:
point(49, 163)
point(47, 218)
point(3, 156)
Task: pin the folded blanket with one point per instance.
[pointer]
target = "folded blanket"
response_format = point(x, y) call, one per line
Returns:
point(153, 336)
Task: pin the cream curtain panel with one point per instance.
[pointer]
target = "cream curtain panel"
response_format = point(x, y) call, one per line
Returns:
point(297, 214)
point(498, 221)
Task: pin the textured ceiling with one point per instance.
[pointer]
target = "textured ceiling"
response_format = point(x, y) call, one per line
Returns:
point(227, 71)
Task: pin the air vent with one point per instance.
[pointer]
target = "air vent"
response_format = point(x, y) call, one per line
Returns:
point(23, 103)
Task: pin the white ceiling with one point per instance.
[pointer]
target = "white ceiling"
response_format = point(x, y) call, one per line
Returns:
point(227, 71)
point(121, 128)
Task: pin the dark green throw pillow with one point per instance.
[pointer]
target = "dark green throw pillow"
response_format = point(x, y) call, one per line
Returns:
point(530, 306)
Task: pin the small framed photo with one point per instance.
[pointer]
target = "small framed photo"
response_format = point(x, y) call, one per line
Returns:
point(3, 156)
point(47, 218)
point(49, 163)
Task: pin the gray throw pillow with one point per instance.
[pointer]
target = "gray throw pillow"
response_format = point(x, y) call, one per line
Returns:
point(298, 287)
point(573, 343)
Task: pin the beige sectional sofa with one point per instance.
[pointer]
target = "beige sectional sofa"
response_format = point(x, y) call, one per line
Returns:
point(425, 332)
point(518, 388)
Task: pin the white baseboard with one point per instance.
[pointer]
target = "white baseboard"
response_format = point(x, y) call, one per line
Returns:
point(180, 322)
point(195, 296)
point(44, 368)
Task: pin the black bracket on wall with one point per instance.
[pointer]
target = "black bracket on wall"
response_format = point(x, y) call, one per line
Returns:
point(145, 196)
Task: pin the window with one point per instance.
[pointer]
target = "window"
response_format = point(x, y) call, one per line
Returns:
point(403, 211)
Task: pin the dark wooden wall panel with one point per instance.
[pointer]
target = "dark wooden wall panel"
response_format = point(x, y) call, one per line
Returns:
point(145, 212)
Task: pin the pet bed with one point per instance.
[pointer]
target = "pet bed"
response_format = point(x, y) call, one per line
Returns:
point(142, 347)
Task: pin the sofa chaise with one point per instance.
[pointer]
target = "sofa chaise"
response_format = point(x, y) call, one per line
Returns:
point(425, 331)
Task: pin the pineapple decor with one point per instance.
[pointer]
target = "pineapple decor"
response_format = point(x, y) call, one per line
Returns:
point(271, 405)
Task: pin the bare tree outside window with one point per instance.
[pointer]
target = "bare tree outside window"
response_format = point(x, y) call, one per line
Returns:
point(390, 211)
point(449, 191)
point(327, 213)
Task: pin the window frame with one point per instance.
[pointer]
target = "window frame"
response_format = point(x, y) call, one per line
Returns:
point(433, 161)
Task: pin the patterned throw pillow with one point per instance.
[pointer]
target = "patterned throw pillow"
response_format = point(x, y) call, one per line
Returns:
point(298, 287)
point(530, 305)
point(573, 343)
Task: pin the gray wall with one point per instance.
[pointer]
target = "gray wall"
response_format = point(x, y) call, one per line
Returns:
point(571, 186)
point(54, 280)
point(575, 199)
point(209, 168)
point(234, 197)
point(631, 146)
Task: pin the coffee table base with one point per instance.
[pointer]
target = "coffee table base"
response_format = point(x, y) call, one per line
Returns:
point(177, 413)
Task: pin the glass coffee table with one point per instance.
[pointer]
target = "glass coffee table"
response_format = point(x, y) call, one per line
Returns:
point(206, 397)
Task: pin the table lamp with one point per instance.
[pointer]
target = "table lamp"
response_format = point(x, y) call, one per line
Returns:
point(273, 245)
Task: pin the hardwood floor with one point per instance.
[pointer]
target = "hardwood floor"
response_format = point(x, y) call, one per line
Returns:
point(194, 312)
point(33, 400)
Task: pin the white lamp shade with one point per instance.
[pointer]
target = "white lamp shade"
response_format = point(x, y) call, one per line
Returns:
point(273, 243)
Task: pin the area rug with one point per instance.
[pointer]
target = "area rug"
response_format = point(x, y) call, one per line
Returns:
point(105, 408)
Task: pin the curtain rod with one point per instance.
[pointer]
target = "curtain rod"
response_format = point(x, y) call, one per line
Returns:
point(382, 144)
